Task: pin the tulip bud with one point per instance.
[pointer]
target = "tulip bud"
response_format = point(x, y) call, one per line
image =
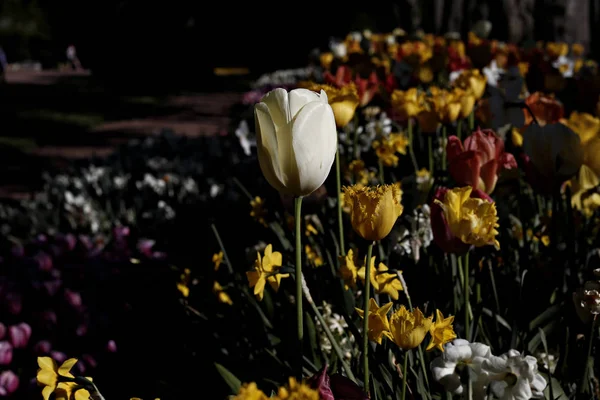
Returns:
point(19, 335)
point(9, 382)
point(296, 139)
point(6, 353)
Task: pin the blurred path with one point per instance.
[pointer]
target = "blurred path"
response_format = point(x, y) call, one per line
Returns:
point(50, 117)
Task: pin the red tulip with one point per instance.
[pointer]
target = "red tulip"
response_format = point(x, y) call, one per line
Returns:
point(478, 163)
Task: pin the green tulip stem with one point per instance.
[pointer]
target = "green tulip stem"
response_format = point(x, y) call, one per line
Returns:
point(430, 149)
point(410, 145)
point(444, 140)
point(586, 368)
point(459, 128)
point(367, 298)
point(472, 121)
point(466, 292)
point(404, 374)
point(299, 315)
point(338, 178)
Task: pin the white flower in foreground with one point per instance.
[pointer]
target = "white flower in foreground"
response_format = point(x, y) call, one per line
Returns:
point(296, 139)
point(457, 357)
point(514, 376)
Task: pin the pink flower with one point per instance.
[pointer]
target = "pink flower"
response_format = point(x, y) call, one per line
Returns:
point(9, 382)
point(19, 335)
point(6, 353)
point(111, 346)
point(2, 330)
point(42, 347)
point(73, 298)
point(478, 163)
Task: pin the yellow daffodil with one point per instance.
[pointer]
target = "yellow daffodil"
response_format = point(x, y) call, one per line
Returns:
point(184, 281)
point(374, 210)
point(296, 391)
point(71, 391)
point(310, 230)
point(407, 102)
point(585, 125)
point(408, 329)
point(313, 257)
point(49, 374)
point(441, 331)
point(373, 272)
point(472, 80)
point(348, 270)
point(446, 105)
point(250, 391)
point(258, 210)
point(472, 220)
point(387, 148)
point(266, 268)
point(378, 320)
point(357, 173)
point(217, 259)
point(221, 295)
point(583, 198)
point(387, 282)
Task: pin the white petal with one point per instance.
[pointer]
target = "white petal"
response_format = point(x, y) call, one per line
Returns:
point(498, 388)
point(494, 364)
point(314, 140)
point(458, 353)
point(278, 103)
point(521, 390)
point(267, 147)
point(538, 384)
point(299, 98)
point(480, 350)
point(444, 373)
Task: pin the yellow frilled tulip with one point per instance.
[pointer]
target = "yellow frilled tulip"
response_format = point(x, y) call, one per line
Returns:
point(591, 155)
point(585, 125)
point(466, 99)
point(584, 182)
point(373, 209)
point(446, 105)
point(250, 391)
point(472, 220)
point(378, 320)
point(408, 103)
point(408, 329)
point(472, 80)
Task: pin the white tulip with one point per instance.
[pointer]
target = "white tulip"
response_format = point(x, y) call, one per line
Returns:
point(296, 139)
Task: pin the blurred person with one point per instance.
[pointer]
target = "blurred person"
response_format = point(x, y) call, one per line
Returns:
point(72, 58)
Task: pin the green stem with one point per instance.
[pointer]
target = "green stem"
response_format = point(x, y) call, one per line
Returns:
point(466, 292)
point(582, 386)
point(381, 179)
point(472, 121)
point(459, 128)
point(404, 374)
point(367, 298)
point(430, 149)
point(334, 343)
point(410, 145)
point(444, 137)
point(338, 178)
point(299, 315)
point(222, 246)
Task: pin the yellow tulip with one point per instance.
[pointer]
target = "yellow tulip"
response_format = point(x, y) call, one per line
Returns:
point(407, 102)
point(472, 220)
point(408, 329)
point(446, 105)
point(584, 182)
point(466, 100)
point(473, 80)
point(343, 102)
point(585, 125)
point(591, 155)
point(374, 210)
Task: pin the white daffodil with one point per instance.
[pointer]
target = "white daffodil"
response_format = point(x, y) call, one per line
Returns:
point(514, 376)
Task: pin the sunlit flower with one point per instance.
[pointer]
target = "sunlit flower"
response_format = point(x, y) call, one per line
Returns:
point(583, 196)
point(295, 390)
point(514, 376)
point(387, 148)
point(184, 282)
point(546, 109)
point(441, 331)
point(407, 103)
point(408, 329)
point(374, 210)
point(250, 391)
point(258, 211)
point(348, 270)
point(473, 80)
point(343, 100)
point(71, 391)
point(312, 255)
point(378, 320)
point(424, 180)
point(591, 155)
point(472, 220)
point(446, 105)
point(585, 125)
point(217, 259)
point(447, 369)
point(221, 295)
point(49, 373)
point(266, 268)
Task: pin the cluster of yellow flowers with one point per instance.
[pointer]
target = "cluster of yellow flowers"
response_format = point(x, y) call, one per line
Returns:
point(407, 329)
point(294, 390)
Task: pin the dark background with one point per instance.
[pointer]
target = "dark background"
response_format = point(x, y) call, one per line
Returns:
point(178, 43)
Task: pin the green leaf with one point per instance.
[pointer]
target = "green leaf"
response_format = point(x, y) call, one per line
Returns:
point(557, 390)
point(535, 341)
point(230, 379)
point(500, 320)
point(549, 313)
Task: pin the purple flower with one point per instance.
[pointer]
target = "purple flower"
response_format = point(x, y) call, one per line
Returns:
point(42, 347)
point(2, 330)
point(73, 298)
point(9, 382)
point(6, 353)
point(44, 261)
point(111, 346)
point(19, 335)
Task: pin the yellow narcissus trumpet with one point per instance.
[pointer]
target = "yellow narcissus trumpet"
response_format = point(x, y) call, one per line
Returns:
point(378, 320)
point(472, 220)
point(472, 79)
point(408, 329)
point(373, 210)
point(296, 139)
point(585, 125)
point(407, 103)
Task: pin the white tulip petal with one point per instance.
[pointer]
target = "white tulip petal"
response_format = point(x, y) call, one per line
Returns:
point(298, 98)
point(278, 103)
point(314, 140)
point(267, 147)
point(323, 97)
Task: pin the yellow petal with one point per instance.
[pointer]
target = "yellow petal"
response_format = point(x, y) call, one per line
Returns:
point(47, 391)
point(65, 368)
point(47, 377)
